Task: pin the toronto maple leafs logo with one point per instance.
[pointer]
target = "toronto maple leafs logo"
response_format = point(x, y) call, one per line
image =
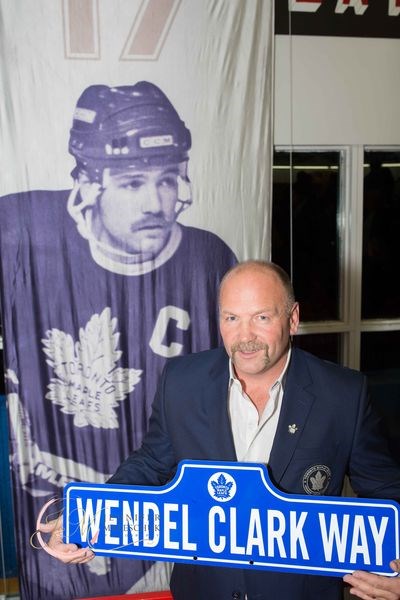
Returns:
point(88, 384)
point(316, 479)
point(318, 482)
point(221, 487)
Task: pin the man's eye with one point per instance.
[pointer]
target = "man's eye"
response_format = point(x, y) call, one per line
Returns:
point(132, 184)
point(230, 318)
point(263, 318)
point(168, 182)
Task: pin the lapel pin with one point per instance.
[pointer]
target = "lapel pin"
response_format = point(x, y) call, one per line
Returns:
point(292, 428)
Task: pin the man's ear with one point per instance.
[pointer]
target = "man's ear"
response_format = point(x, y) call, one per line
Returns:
point(294, 318)
point(88, 190)
point(84, 185)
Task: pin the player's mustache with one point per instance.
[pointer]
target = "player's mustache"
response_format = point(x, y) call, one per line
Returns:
point(150, 223)
point(251, 346)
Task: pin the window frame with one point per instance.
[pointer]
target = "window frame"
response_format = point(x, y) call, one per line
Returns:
point(350, 325)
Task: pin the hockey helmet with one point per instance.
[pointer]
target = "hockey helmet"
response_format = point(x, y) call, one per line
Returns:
point(126, 127)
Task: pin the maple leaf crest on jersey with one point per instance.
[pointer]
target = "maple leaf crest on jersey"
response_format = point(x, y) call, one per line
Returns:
point(89, 385)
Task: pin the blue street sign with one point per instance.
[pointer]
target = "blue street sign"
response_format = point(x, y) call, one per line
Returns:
point(229, 514)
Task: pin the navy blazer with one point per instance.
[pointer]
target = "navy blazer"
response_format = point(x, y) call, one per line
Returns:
point(335, 430)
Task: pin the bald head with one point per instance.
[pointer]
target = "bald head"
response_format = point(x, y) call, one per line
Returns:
point(261, 267)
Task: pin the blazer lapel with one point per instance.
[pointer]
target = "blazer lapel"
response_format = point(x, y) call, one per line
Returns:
point(216, 407)
point(296, 404)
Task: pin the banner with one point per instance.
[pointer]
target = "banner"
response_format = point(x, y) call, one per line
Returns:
point(135, 149)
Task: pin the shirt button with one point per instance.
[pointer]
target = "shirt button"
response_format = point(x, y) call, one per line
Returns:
point(236, 595)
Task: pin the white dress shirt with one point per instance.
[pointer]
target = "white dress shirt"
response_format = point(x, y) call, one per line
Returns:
point(253, 435)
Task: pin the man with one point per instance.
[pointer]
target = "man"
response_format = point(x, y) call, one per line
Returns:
point(93, 305)
point(237, 404)
point(131, 181)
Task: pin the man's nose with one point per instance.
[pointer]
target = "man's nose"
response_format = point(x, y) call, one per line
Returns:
point(247, 331)
point(152, 200)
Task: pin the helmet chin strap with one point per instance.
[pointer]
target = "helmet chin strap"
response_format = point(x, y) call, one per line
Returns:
point(184, 196)
point(81, 210)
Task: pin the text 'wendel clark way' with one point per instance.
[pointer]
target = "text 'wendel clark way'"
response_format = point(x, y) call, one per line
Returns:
point(229, 514)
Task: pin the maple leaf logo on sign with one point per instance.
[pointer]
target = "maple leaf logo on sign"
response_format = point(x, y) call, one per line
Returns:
point(88, 384)
point(222, 488)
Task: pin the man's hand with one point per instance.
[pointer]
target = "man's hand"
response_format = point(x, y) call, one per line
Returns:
point(375, 587)
point(67, 553)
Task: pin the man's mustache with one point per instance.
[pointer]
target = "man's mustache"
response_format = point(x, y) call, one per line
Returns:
point(252, 346)
point(152, 223)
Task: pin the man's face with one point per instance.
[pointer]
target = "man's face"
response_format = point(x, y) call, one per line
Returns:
point(136, 211)
point(254, 322)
